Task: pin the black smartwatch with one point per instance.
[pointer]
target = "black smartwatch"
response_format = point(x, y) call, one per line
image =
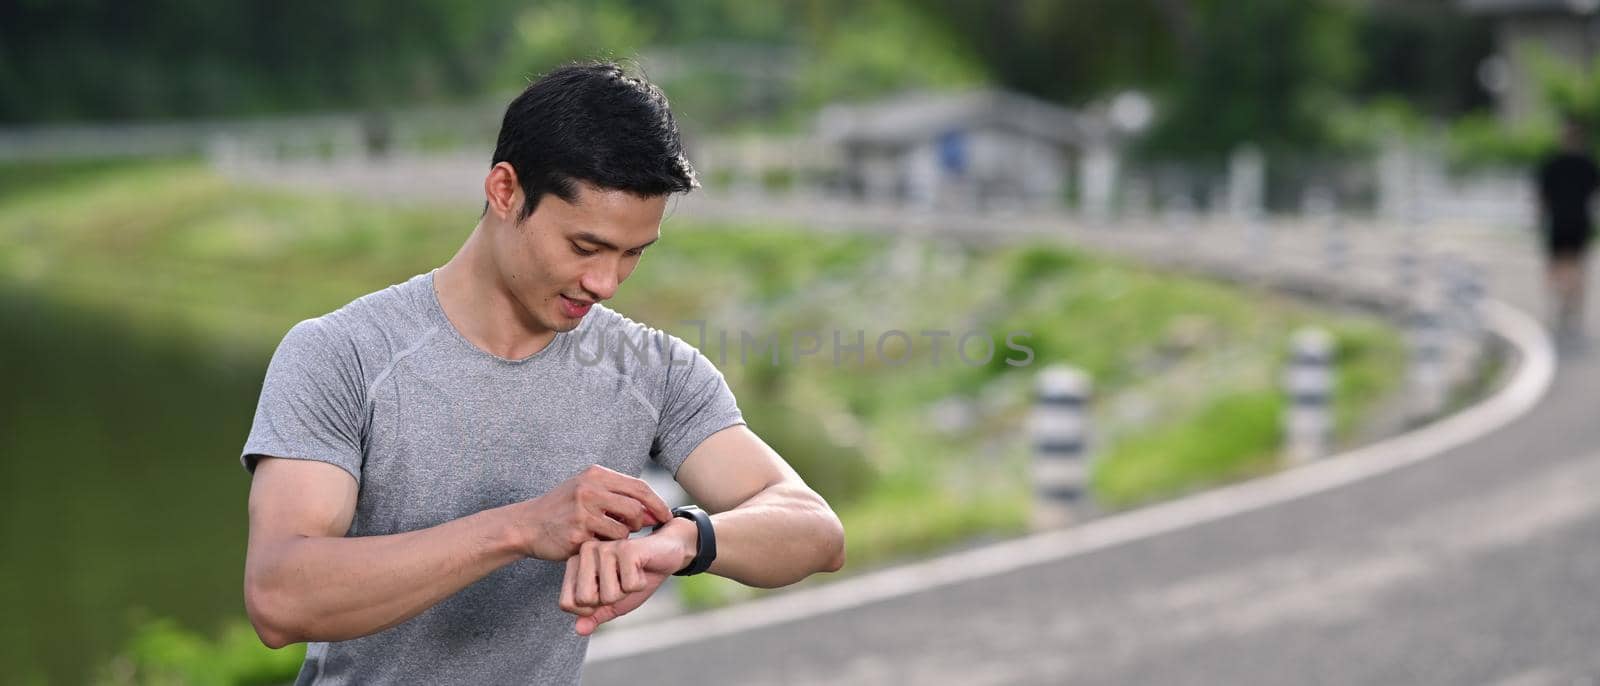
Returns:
point(706, 548)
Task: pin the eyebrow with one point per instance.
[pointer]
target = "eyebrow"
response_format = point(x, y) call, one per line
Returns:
point(586, 236)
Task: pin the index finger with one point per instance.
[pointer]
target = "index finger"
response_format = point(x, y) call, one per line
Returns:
point(640, 491)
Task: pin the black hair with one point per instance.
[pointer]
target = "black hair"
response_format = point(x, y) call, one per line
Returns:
point(592, 122)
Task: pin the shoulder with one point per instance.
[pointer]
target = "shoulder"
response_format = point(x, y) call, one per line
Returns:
point(400, 308)
point(366, 330)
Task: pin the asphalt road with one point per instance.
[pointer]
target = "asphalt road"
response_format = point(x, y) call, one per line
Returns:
point(1477, 566)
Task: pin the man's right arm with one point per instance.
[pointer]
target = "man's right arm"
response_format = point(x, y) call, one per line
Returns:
point(306, 581)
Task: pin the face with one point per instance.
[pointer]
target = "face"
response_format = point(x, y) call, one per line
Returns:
point(566, 256)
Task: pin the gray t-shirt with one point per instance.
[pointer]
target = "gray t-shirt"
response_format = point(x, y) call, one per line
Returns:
point(434, 429)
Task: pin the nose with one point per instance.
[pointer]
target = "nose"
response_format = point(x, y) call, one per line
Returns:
point(601, 282)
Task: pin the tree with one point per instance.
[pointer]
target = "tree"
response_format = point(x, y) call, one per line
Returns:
point(1263, 72)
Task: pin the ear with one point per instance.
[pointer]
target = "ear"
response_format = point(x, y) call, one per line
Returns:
point(503, 192)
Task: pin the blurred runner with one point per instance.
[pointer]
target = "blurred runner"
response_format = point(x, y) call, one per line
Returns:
point(1567, 180)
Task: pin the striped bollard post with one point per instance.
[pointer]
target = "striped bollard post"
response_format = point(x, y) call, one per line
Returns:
point(1426, 377)
point(1060, 442)
point(1308, 419)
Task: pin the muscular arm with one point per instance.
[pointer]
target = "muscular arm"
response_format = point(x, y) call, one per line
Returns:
point(772, 529)
point(305, 581)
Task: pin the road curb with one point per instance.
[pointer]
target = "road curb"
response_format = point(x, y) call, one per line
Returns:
point(1535, 371)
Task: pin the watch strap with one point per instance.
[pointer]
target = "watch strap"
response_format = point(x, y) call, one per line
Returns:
point(706, 540)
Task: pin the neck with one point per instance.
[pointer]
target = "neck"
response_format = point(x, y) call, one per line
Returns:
point(481, 308)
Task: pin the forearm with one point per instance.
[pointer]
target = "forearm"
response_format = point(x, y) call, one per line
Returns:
point(778, 537)
point(335, 588)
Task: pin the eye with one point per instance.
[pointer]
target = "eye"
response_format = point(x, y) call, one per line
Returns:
point(579, 249)
point(635, 253)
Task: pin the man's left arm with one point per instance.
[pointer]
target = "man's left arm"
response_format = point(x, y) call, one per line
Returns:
point(771, 530)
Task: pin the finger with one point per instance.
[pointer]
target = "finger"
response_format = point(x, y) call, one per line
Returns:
point(587, 592)
point(631, 576)
point(640, 491)
point(635, 502)
point(567, 582)
point(587, 625)
point(632, 601)
point(625, 509)
point(610, 586)
point(603, 526)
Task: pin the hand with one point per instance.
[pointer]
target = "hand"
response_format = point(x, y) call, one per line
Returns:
point(608, 579)
point(597, 504)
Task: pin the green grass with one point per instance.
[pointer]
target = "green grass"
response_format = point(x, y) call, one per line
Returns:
point(1237, 432)
point(153, 296)
point(161, 652)
point(1193, 453)
point(23, 178)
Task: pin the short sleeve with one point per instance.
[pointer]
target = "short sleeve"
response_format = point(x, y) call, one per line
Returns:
point(696, 403)
point(312, 401)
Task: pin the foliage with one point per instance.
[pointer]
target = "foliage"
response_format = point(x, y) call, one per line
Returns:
point(1369, 358)
point(162, 653)
point(883, 47)
point(1570, 91)
point(1424, 54)
point(1069, 51)
point(1482, 140)
point(1193, 453)
point(102, 59)
point(549, 34)
point(1566, 91)
point(1264, 72)
point(1365, 128)
point(1228, 72)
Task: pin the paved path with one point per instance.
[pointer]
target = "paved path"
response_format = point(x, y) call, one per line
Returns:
point(1477, 566)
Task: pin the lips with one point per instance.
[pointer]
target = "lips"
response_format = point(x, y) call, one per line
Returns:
point(575, 308)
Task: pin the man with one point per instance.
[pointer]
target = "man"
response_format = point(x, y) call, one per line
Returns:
point(1567, 181)
point(444, 471)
